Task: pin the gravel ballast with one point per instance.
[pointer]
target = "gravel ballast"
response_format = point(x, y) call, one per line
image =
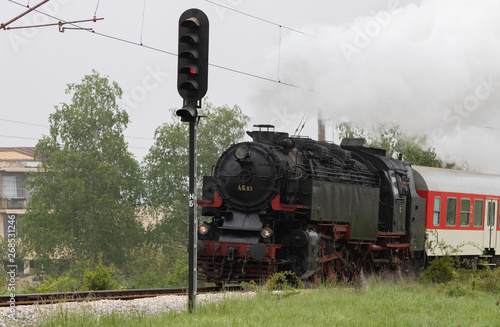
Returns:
point(28, 315)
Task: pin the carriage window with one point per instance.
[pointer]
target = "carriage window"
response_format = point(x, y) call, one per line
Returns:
point(491, 215)
point(437, 211)
point(464, 212)
point(478, 213)
point(451, 212)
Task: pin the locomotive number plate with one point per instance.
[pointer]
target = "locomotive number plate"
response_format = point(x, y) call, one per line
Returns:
point(245, 188)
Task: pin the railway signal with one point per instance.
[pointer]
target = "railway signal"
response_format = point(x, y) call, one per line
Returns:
point(192, 69)
point(192, 83)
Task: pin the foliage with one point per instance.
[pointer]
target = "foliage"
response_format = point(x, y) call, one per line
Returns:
point(410, 305)
point(457, 276)
point(488, 280)
point(3, 281)
point(63, 276)
point(85, 194)
point(284, 280)
point(178, 275)
point(166, 167)
point(390, 137)
point(147, 267)
point(100, 278)
point(444, 267)
point(57, 284)
point(441, 270)
point(440, 248)
point(152, 267)
point(466, 281)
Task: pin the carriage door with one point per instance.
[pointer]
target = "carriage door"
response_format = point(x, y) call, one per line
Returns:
point(490, 224)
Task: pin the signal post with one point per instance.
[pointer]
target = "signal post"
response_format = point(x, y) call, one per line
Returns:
point(192, 84)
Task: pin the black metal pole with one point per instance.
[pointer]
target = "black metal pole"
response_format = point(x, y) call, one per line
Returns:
point(193, 221)
point(192, 84)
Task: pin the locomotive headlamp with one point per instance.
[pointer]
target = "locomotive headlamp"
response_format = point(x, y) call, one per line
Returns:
point(242, 152)
point(266, 232)
point(203, 230)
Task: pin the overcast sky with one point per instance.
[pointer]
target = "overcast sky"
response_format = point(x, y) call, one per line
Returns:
point(430, 66)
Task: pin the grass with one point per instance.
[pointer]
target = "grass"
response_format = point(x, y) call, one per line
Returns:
point(377, 304)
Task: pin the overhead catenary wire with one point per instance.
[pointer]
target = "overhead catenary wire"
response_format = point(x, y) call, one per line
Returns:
point(171, 53)
point(278, 80)
point(486, 127)
point(19, 137)
point(96, 7)
point(302, 122)
point(47, 126)
point(36, 139)
point(279, 56)
point(142, 24)
point(262, 19)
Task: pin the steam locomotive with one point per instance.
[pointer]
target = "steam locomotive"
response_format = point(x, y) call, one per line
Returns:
point(318, 209)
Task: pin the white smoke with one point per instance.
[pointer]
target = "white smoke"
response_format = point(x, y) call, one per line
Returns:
point(432, 67)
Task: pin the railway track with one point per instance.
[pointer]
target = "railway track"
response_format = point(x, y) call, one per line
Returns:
point(46, 298)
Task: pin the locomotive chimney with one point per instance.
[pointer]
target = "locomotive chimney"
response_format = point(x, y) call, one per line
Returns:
point(321, 128)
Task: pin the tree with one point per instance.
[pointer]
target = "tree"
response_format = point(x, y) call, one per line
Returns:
point(166, 167)
point(390, 137)
point(85, 193)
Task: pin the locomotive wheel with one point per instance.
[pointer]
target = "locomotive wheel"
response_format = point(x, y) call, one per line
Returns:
point(343, 271)
point(348, 271)
point(329, 272)
point(315, 278)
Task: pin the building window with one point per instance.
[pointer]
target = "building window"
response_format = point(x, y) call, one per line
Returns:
point(478, 213)
point(464, 212)
point(13, 186)
point(451, 212)
point(437, 211)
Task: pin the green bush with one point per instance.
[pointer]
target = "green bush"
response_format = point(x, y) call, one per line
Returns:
point(285, 281)
point(60, 284)
point(457, 281)
point(457, 288)
point(441, 270)
point(488, 280)
point(100, 278)
point(153, 267)
point(146, 280)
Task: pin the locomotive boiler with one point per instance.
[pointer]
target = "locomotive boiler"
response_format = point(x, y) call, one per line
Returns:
point(318, 209)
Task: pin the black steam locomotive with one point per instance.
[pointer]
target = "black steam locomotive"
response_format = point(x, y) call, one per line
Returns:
point(321, 210)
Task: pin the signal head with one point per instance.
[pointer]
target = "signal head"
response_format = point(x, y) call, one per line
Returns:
point(192, 71)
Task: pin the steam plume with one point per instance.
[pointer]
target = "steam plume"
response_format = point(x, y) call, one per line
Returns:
point(432, 67)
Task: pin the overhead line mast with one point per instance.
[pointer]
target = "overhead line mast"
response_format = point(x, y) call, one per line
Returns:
point(60, 23)
point(24, 13)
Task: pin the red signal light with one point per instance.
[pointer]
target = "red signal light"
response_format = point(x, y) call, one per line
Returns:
point(191, 71)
